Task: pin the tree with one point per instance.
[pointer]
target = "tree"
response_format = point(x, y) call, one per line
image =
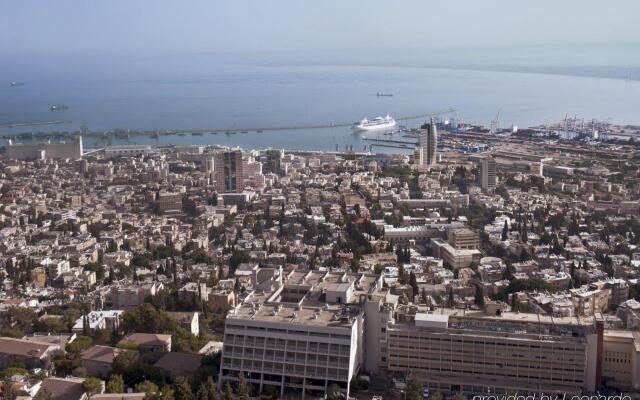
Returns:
point(207, 390)
point(115, 384)
point(228, 392)
point(333, 392)
point(92, 385)
point(165, 394)
point(8, 392)
point(505, 231)
point(414, 390)
point(182, 389)
point(436, 396)
point(244, 388)
point(479, 296)
point(271, 392)
point(147, 387)
point(451, 300)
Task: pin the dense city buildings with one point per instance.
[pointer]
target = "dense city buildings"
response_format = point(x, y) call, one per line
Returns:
point(302, 274)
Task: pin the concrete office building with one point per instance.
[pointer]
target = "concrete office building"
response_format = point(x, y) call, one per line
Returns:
point(301, 334)
point(472, 352)
point(303, 349)
point(228, 169)
point(621, 360)
point(464, 238)
point(488, 178)
point(454, 257)
point(420, 234)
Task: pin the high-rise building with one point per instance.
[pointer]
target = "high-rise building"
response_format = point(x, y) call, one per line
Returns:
point(428, 145)
point(272, 161)
point(488, 173)
point(228, 171)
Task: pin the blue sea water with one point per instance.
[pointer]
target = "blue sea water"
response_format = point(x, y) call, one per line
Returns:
point(207, 96)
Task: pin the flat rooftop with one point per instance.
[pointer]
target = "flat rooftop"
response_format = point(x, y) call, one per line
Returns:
point(283, 314)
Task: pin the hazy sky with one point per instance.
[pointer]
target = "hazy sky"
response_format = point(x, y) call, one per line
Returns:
point(141, 26)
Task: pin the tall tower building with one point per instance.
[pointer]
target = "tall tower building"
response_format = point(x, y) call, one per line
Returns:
point(488, 178)
point(272, 161)
point(228, 171)
point(428, 145)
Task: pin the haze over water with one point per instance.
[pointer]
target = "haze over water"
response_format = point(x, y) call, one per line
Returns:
point(233, 96)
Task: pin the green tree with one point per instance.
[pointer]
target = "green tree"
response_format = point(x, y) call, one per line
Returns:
point(147, 387)
point(436, 396)
point(207, 390)
point(244, 388)
point(414, 390)
point(505, 231)
point(333, 392)
point(271, 392)
point(8, 392)
point(92, 385)
point(479, 296)
point(115, 384)
point(228, 392)
point(166, 393)
point(182, 389)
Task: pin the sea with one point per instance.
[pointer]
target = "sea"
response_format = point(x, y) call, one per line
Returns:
point(261, 96)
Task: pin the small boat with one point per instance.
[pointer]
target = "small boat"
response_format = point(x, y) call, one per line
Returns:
point(16, 84)
point(380, 94)
point(58, 107)
point(244, 131)
point(259, 131)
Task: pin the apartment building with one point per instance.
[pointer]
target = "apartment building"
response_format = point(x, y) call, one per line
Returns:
point(29, 353)
point(229, 171)
point(488, 179)
point(453, 351)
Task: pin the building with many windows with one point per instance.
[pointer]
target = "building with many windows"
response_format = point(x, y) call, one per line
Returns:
point(453, 351)
point(228, 170)
point(303, 349)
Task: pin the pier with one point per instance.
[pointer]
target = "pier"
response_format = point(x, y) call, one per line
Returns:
point(123, 134)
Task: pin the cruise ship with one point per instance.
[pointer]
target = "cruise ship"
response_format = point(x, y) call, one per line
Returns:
point(378, 123)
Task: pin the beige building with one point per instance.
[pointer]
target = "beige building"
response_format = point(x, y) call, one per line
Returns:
point(589, 301)
point(453, 257)
point(475, 353)
point(464, 238)
point(621, 360)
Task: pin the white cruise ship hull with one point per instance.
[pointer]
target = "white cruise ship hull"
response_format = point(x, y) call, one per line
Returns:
point(378, 127)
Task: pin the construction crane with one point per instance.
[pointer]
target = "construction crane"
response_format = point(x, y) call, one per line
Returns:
point(495, 123)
